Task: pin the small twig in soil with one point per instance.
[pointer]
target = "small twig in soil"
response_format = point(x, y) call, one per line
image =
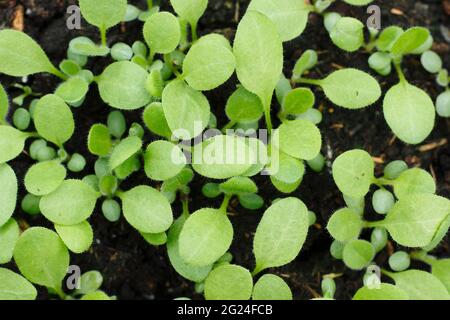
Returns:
point(433, 145)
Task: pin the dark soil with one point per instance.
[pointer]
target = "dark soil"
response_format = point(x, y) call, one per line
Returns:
point(134, 270)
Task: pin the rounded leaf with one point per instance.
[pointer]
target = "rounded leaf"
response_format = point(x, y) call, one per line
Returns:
point(162, 32)
point(44, 177)
point(205, 237)
point(271, 287)
point(103, 14)
point(9, 234)
point(8, 193)
point(15, 287)
point(209, 63)
point(229, 282)
point(187, 111)
point(410, 40)
point(351, 88)
point(353, 172)
point(73, 202)
point(4, 104)
point(190, 11)
point(42, 257)
point(53, 119)
point(78, 238)
point(413, 181)
point(348, 34)
point(298, 101)
point(163, 160)
point(12, 142)
point(122, 86)
point(99, 140)
point(358, 254)
point(147, 210)
point(155, 120)
point(243, 106)
point(124, 151)
point(345, 225)
point(281, 233)
point(386, 291)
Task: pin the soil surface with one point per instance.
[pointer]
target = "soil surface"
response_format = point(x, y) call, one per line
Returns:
point(134, 270)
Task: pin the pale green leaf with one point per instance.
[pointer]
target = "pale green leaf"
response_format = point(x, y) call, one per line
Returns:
point(4, 104)
point(441, 270)
point(281, 233)
point(44, 177)
point(191, 11)
point(229, 282)
point(409, 112)
point(12, 142)
point(243, 106)
point(348, 34)
point(42, 257)
point(8, 193)
point(146, 209)
point(386, 291)
point(162, 32)
point(54, 119)
point(205, 237)
point(163, 160)
point(410, 40)
point(124, 151)
point(353, 173)
point(73, 90)
point(78, 238)
point(21, 55)
point(209, 63)
point(122, 86)
point(345, 225)
point(103, 14)
point(9, 234)
point(413, 181)
point(358, 254)
point(15, 287)
point(72, 203)
point(351, 88)
point(271, 287)
point(259, 55)
point(99, 140)
point(187, 111)
point(289, 16)
point(155, 120)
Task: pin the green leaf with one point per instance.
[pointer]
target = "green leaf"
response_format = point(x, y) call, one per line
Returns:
point(73, 90)
point(163, 160)
point(78, 238)
point(122, 86)
point(21, 55)
point(358, 2)
point(147, 210)
point(8, 193)
point(388, 37)
point(420, 285)
point(9, 234)
point(191, 11)
point(410, 40)
point(86, 47)
point(42, 257)
point(288, 175)
point(353, 172)
point(4, 104)
point(96, 296)
point(409, 112)
point(124, 151)
point(271, 287)
point(299, 138)
point(12, 142)
point(439, 235)
point(72, 203)
point(298, 101)
point(358, 254)
point(155, 120)
point(384, 292)
point(431, 61)
point(90, 282)
point(441, 270)
point(223, 157)
point(351, 88)
point(259, 55)
point(348, 34)
point(209, 63)
point(415, 219)
point(243, 106)
point(190, 272)
point(307, 61)
point(99, 140)
point(443, 104)
point(229, 282)
point(155, 239)
point(15, 287)
point(187, 111)
point(280, 234)
point(289, 16)
point(205, 237)
point(162, 32)
point(103, 14)
point(238, 185)
point(53, 119)
point(413, 181)
point(345, 225)
point(44, 177)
